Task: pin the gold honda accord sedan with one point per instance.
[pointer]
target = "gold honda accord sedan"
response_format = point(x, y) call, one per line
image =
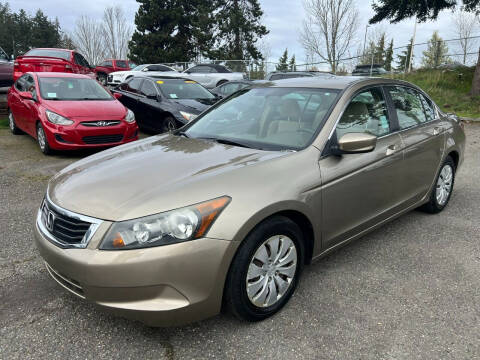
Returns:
point(224, 212)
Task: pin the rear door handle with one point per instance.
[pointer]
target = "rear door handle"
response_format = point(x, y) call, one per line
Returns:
point(437, 130)
point(392, 149)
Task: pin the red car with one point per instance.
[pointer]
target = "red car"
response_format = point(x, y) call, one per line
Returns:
point(109, 66)
point(52, 60)
point(68, 112)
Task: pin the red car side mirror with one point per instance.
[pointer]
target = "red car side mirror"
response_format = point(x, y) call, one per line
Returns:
point(117, 95)
point(26, 95)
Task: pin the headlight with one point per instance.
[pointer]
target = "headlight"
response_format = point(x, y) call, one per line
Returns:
point(57, 119)
point(188, 116)
point(130, 117)
point(165, 228)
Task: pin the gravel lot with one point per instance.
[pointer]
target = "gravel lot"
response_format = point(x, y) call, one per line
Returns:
point(410, 290)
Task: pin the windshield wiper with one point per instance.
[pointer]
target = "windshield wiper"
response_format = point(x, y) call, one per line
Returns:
point(226, 142)
point(183, 133)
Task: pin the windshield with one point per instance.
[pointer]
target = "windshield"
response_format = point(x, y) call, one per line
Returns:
point(139, 68)
point(183, 89)
point(267, 118)
point(52, 88)
point(62, 54)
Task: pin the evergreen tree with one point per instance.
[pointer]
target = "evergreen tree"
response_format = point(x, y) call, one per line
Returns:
point(436, 53)
point(389, 57)
point(292, 65)
point(404, 58)
point(379, 55)
point(169, 31)
point(283, 62)
point(238, 30)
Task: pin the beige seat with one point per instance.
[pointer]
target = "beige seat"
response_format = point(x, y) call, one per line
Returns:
point(354, 119)
point(291, 116)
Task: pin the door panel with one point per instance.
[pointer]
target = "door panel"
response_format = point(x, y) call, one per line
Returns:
point(423, 139)
point(359, 190)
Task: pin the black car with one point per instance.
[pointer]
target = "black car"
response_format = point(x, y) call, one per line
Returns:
point(367, 70)
point(228, 88)
point(163, 103)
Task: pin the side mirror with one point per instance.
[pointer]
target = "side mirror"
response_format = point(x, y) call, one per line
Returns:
point(26, 95)
point(117, 96)
point(354, 143)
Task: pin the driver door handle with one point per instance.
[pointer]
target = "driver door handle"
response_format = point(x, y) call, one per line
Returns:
point(392, 149)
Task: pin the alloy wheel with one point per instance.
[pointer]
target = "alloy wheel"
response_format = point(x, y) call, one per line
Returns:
point(41, 138)
point(11, 122)
point(271, 271)
point(444, 184)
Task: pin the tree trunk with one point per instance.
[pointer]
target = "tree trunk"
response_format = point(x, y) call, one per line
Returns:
point(476, 78)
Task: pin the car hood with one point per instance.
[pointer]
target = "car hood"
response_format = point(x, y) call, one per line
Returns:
point(153, 175)
point(195, 106)
point(97, 110)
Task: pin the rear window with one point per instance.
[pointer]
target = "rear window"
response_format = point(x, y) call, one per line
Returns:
point(62, 54)
point(122, 64)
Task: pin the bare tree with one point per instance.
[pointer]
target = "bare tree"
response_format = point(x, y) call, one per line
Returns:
point(329, 28)
point(465, 24)
point(116, 32)
point(87, 38)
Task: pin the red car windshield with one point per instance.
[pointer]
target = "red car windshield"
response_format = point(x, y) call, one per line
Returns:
point(62, 54)
point(68, 89)
point(122, 64)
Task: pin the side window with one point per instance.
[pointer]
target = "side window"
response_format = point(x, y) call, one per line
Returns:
point(212, 69)
point(21, 84)
point(3, 56)
point(133, 85)
point(230, 88)
point(77, 59)
point(367, 112)
point(30, 84)
point(148, 89)
point(276, 77)
point(408, 106)
point(429, 108)
point(107, 64)
point(200, 69)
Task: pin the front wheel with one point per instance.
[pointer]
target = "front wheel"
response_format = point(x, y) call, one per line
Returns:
point(442, 191)
point(265, 271)
point(169, 124)
point(11, 123)
point(42, 140)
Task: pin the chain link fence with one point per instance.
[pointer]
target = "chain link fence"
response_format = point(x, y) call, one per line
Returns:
point(458, 53)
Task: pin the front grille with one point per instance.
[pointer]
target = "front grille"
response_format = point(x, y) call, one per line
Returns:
point(63, 228)
point(66, 282)
point(101, 123)
point(103, 139)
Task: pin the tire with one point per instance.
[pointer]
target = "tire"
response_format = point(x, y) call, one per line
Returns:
point(256, 304)
point(444, 180)
point(42, 140)
point(102, 79)
point(169, 124)
point(11, 124)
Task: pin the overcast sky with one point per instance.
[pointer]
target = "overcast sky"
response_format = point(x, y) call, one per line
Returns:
point(282, 17)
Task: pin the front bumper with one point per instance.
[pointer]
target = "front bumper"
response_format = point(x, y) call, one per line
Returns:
point(74, 137)
point(160, 286)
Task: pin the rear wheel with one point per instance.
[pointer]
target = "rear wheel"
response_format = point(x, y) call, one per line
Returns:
point(265, 271)
point(11, 123)
point(169, 124)
point(42, 140)
point(442, 191)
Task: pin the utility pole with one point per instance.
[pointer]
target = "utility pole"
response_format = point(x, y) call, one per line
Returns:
point(413, 46)
point(365, 40)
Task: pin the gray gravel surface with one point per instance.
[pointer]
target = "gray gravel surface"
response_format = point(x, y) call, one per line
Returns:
point(410, 290)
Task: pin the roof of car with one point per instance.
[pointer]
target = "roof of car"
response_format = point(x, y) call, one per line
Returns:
point(324, 82)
